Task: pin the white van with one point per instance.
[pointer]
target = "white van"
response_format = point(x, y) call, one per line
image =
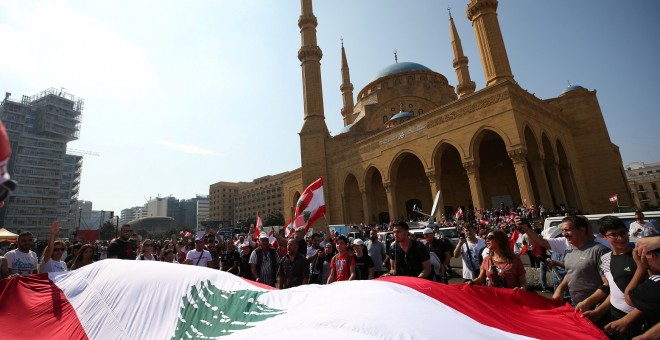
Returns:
point(552, 225)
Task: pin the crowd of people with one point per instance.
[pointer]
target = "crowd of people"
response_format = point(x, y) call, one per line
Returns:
point(615, 286)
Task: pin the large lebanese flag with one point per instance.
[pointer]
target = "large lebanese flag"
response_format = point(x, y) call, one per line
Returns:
point(310, 206)
point(119, 299)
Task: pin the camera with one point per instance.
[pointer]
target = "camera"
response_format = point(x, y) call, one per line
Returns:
point(461, 235)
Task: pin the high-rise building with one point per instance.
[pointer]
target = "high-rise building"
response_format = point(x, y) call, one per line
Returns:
point(644, 182)
point(39, 129)
point(232, 202)
point(130, 214)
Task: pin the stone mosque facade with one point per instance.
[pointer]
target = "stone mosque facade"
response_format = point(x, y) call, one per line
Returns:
point(409, 134)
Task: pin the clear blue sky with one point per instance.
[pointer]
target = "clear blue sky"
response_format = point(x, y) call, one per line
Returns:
point(182, 94)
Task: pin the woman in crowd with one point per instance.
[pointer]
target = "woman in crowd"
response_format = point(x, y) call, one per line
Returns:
point(52, 260)
point(167, 255)
point(147, 251)
point(501, 268)
point(85, 256)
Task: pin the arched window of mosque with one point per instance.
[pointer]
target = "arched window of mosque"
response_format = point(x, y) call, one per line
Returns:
point(420, 111)
point(384, 119)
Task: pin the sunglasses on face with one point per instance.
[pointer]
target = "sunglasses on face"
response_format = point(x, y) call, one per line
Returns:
point(490, 237)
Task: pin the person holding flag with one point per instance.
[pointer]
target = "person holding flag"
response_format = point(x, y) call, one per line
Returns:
point(501, 266)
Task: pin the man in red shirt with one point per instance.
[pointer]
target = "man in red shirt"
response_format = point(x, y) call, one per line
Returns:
point(342, 265)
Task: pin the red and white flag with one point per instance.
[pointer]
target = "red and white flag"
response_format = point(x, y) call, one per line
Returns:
point(257, 226)
point(517, 243)
point(310, 206)
point(290, 229)
point(273, 240)
point(116, 299)
point(459, 214)
point(614, 198)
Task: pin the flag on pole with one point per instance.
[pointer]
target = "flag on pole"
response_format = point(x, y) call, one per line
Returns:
point(257, 226)
point(517, 243)
point(289, 230)
point(310, 206)
point(614, 199)
point(459, 214)
point(98, 302)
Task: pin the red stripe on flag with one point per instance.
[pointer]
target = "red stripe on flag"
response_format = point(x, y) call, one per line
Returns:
point(31, 306)
point(520, 312)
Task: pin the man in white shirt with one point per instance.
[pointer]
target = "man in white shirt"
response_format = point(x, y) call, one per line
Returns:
point(22, 261)
point(199, 256)
point(641, 228)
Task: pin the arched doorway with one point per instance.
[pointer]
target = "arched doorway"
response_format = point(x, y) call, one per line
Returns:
point(410, 183)
point(352, 201)
point(497, 175)
point(376, 197)
point(454, 183)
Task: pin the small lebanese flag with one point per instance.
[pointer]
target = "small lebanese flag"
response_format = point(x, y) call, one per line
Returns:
point(614, 198)
point(290, 230)
point(459, 214)
point(272, 240)
point(517, 243)
point(257, 226)
point(310, 205)
point(97, 301)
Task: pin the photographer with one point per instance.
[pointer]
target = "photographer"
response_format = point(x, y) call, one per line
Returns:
point(469, 248)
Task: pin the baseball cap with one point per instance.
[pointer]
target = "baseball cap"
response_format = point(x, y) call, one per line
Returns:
point(243, 245)
point(358, 242)
point(263, 235)
point(428, 231)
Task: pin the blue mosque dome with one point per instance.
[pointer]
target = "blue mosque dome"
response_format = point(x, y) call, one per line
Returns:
point(400, 67)
point(573, 88)
point(345, 129)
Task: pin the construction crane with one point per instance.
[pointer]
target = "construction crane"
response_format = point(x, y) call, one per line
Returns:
point(81, 152)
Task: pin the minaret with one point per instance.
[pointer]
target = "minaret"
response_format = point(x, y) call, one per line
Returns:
point(465, 84)
point(314, 133)
point(483, 14)
point(346, 87)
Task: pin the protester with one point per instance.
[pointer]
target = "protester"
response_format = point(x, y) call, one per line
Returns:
point(501, 267)
point(147, 251)
point(342, 265)
point(245, 269)
point(293, 268)
point(167, 255)
point(230, 259)
point(408, 257)
point(469, 248)
point(199, 256)
point(441, 252)
point(22, 260)
point(641, 228)
point(643, 293)
point(52, 256)
point(264, 262)
point(364, 266)
point(618, 268)
point(121, 248)
point(85, 256)
point(377, 252)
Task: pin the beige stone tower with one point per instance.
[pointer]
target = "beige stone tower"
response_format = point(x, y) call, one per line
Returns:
point(314, 134)
point(465, 84)
point(346, 87)
point(483, 14)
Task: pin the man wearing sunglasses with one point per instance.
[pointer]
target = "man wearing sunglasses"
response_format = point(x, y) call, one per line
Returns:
point(21, 261)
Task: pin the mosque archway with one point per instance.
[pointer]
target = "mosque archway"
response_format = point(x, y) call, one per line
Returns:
point(410, 183)
point(377, 211)
point(454, 183)
point(567, 178)
point(497, 176)
point(352, 201)
point(552, 174)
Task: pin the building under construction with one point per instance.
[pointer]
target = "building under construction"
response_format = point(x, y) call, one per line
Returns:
point(39, 129)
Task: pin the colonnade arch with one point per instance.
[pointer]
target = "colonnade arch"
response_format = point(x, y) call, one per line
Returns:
point(377, 210)
point(352, 198)
point(496, 173)
point(452, 179)
point(409, 185)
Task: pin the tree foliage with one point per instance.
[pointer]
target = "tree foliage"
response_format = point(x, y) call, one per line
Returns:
point(108, 231)
point(274, 218)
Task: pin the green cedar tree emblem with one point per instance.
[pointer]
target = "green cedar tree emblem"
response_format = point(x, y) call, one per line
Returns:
point(306, 215)
point(208, 312)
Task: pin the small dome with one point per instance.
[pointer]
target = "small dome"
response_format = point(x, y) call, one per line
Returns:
point(345, 129)
point(400, 67)
point(573, 88)
point(401, 115)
